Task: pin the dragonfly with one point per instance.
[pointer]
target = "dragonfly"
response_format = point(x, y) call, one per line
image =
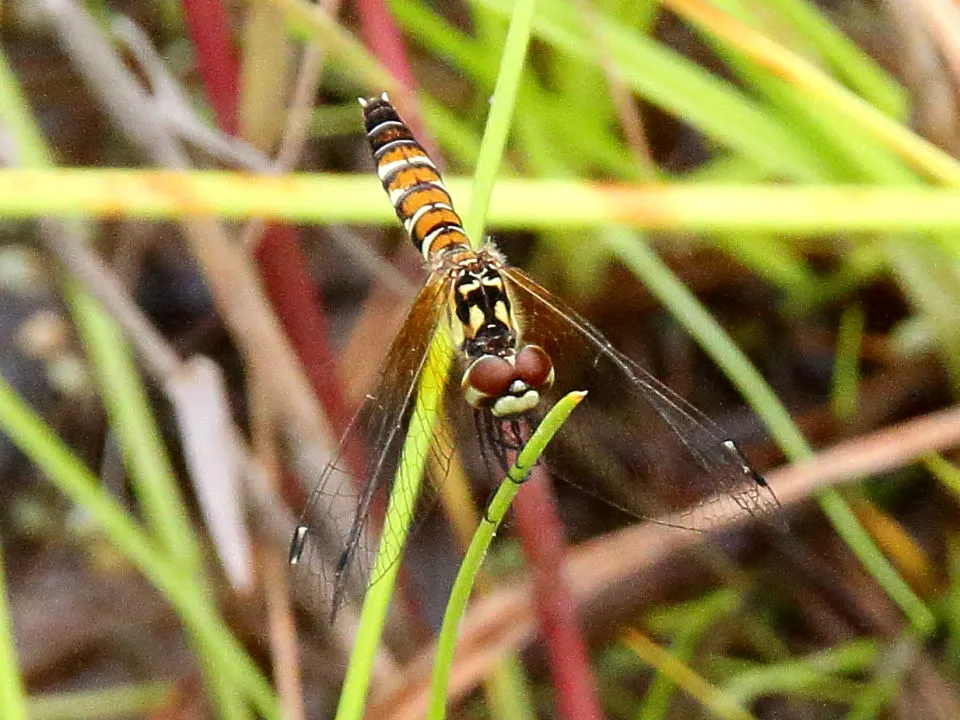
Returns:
point(635, 444)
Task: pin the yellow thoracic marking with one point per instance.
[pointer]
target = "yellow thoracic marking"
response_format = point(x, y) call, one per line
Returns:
point(455, 327)
point(466, 288)
point(500, 312)
point(476, 319)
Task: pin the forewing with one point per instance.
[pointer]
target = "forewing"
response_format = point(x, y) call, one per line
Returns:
point(336, 540)
point(634, 443)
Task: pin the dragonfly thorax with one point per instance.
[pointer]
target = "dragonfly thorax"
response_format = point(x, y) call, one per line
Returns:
point(500, 377)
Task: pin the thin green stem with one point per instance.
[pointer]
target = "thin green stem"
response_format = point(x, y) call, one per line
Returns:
point(397, 521)
point(713, 698)
point(41, 445)
point(498, 122)
point(463, 585)
point(684, 306)
point(810, 671)
point(139, 435)
point(846, 371)
point(690, 622)
point(109, 702)
point(13, 702)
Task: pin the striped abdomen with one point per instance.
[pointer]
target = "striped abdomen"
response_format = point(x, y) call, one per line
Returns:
point(411, 180)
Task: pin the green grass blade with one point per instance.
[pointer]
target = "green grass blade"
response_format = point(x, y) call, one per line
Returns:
point(680, 87)
point(795, 674)
point(397, 522)
point(845, 394)
point(498, 122)
point(110, 702)
point(13, 701)
point(460, 594)
point(686, 624)
point(139, 436)
point(697, 321)
point(41, 445)
point(847, 59)
point(714, 699)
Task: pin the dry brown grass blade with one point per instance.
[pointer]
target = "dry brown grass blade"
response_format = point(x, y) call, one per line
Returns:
point(232, 281)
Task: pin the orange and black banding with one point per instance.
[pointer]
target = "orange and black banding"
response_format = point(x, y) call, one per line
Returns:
point(412, 181)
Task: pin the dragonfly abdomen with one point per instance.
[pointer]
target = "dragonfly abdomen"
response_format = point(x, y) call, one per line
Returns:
point(412, 181)
point(500, 377)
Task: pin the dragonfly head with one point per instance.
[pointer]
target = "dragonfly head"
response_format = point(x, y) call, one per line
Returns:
point(508, 384)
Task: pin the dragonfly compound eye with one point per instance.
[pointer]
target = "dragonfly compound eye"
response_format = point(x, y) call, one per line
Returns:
point(489, 377)
point(507, 386)
point(535, 367)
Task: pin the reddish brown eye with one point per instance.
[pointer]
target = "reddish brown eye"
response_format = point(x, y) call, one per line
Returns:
point(534, 367)
point(488, 377)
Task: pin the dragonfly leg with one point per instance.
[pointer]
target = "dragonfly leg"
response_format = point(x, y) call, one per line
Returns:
point(492, 437)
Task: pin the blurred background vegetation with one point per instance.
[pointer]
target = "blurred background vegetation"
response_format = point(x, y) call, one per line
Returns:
point(182, 348)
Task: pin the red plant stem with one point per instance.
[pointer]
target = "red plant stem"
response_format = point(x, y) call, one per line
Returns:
point(381, 34)
point(384, 39)
point(293, 296)
point(217, 63)
point(283, 268)
point(541, 533)
point(289, 286)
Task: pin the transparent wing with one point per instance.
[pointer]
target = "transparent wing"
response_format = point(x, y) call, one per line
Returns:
point(335, 540)
point(634, 443)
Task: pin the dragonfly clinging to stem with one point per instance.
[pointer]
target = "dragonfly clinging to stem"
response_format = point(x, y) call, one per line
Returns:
point(519, 348)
